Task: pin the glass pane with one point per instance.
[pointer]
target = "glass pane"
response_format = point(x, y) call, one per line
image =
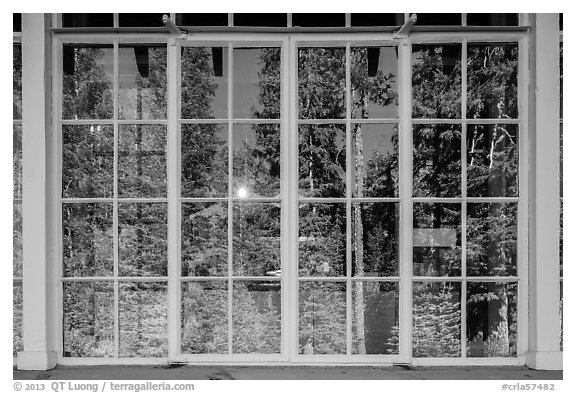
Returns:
point(561, 79)
point(141, 20)
point(374, 77)
point(318, 20)
point(17, 81)
point(375, 239)
point(375, 160)
point(87, 161)
point(375, 19)
point(321, 83)
point(204, 239)
point(142, 82)
point(204, 160)
point(561, 315)
point(142, 313)
point(142, 161)
point(436, 320)
point(436, 81)
point(492, 160)
point(322, 239)
point(256, 317)
point(256, 160)
point(16, 22)
point(87, 82)
point(436, 239)
point(204, 83)
point(492, 19)
point(322, 160)
point(17, 303)
point(491, 247)
point(87, 20)
point(17, 161)
point(439, 19)
point(142, 239)
point(437, 160)
point(561, 245)
point(204, 317)
point(256, 247)
point(375, 318)
point(492, 81)
point(87, 239)
point(261, 19)
point(492, 319)
point(322, 318)
point(256, 84)
point(88, 319)
point(202, 19)
point(17, 249)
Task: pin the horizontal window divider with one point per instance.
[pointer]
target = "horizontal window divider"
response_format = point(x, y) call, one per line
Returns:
point(144, 122)
point(462, 279)
point(493, 199)
point(375, 121)
point(73, 122)
point(322, 200)
point(437, 200)
point(205, 278)
point(375, 278)
point(437, 121)
point(203, 121)
point(17, 201)
point(493, 121)
point(342, 279)
point(382, 199)
point(17, 122)
point(248, 200)
point(198, 200)
point(17, 279)
point(256, 121)
point(110, 200)
point(112, 278)
point(142, 200)
point(323, 121)
point(253, 278)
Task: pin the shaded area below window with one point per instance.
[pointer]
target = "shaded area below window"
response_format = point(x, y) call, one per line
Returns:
point(88, 20)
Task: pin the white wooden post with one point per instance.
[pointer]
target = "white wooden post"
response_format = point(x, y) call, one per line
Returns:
point(544, 287)
point(39, 282)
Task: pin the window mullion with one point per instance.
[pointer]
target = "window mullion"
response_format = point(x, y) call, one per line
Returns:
point(173, 172)
point(405, 189)
point(115, 206)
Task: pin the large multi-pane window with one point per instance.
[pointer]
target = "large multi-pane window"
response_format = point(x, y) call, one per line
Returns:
point(289, 197)
point(465, 133)
point(17, 186)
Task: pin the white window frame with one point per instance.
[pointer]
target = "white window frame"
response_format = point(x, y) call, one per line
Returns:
point(289, 43)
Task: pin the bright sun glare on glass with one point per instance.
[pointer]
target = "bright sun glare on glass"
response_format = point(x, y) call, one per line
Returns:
point(242, 192)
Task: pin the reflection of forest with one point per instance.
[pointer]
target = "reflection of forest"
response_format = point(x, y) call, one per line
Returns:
point(491, 167)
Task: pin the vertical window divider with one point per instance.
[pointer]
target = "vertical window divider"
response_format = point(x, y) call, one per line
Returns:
point(115, 224)
point(115, 20)
point(287, 212)
point(230, 193)
point(292, 202)
point(349, 168)
point(173, 173)
point(464, 192)
point(405, 191)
